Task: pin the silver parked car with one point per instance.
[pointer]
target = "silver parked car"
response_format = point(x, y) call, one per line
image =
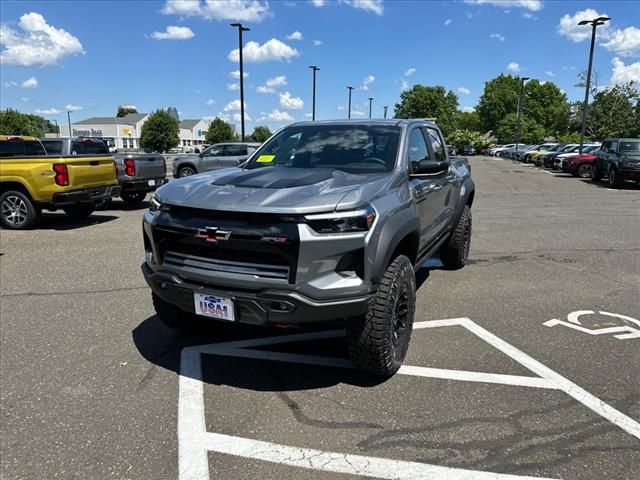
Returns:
point(220, 155)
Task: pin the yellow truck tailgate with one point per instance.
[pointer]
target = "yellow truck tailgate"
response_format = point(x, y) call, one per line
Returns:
point(86, 172)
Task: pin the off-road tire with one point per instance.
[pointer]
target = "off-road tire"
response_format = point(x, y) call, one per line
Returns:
point(172, 316)
point(584, 170)
point(186, 172)
point(17, 211)
point(81, 210)
point(455, 252)
point(133, 198)
point(614, 179)
point(378, 341)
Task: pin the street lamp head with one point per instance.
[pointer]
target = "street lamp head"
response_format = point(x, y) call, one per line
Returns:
point(602, 19)
point(584, 22)
point(350, 88)
point(524, 79)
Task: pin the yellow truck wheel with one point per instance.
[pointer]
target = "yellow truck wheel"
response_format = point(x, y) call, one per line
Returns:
point(17, 211)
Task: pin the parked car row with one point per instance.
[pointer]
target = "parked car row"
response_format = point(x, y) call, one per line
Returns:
point(616, 159)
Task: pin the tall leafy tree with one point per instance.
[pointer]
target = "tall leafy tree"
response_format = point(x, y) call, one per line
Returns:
point(13, 122)
point(220, 131)
point(429, 102)
point(160, 132)
point(469, 121)
point(124, 111)
point(500, 98)
point(530, 131)
point(614, 112)
point(260, 134)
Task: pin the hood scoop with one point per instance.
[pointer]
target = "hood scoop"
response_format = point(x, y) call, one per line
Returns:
point(274, 177)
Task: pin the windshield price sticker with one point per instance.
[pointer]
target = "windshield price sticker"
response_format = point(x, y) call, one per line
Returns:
point(265, 158)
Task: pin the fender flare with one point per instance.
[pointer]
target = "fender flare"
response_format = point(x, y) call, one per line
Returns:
point(398, 227)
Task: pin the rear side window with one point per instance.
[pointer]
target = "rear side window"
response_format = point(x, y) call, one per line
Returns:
point(53, 147)
point(630, 147)
point(89, 147)
point(15, 148)
point(436, 145)
point(235, 150)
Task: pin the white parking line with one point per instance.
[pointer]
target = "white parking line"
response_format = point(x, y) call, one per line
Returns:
point(195, 442)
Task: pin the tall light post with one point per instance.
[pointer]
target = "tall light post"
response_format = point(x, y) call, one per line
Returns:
point(57, 127)
point(349, 114)
point(385, 110)
point(241, 28)
point(522, 80)
point(313, 111)
point(69, 120)
point(595, 23)
point(370, 104)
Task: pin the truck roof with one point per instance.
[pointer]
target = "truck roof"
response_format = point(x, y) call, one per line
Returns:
point(369, 121)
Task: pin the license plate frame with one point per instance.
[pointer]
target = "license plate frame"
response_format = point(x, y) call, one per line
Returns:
point(152, 183)
point(214, 306)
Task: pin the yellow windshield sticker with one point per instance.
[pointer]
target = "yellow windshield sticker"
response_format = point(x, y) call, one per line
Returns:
point(265, 158)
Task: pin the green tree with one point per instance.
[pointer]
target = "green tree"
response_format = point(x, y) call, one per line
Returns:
point(469, 121)
point(530, 131)
point(160, 132)
point(429, 102)
point(13, 122)
point(460, 138)
point(260, 134)
point(220, 131)
point(500, 98)
point(123, 111)
point(614, 112)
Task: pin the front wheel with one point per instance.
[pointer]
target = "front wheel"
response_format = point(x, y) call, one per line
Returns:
point(585, 170)
point(17, 211)
point(133, 198)
point(614, 178)
point(81, 210)
point(455, 252)
point(595, 173)
point(186, 172)
point(379, 340)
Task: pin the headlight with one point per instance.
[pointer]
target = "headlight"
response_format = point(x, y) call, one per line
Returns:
point(155, 205)
point(359, 220)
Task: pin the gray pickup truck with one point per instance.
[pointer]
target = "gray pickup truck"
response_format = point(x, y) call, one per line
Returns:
point(325, 221)
point(139, 174)
point(214, 157)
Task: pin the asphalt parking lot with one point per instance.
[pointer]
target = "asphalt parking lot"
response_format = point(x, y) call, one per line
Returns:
point(91, 385)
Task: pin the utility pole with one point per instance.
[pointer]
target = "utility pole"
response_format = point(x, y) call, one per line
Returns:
point(385, 110)
point(313, 111)
point(350, 88)
point(241, 29)
point(69, 120)
point(370, 104)
point(522, 80)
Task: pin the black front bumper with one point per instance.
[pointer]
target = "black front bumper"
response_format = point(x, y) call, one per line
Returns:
point(630, 173)
point(267, 307)
point(142, 185)
point(88, 195)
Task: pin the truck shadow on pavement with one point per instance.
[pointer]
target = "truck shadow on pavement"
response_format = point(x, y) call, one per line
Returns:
point(57, 221)
point(162, 346)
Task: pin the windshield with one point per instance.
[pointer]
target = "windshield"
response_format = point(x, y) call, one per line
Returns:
point(567, 148)
point(350, 148)
point(630, 147)
point(590, 148)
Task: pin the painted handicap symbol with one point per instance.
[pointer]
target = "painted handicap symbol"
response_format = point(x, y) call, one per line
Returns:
point(620, 332)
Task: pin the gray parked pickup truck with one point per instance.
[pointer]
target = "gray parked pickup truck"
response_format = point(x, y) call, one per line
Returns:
point(326, 221)
point(139, 174)
point(215, 157)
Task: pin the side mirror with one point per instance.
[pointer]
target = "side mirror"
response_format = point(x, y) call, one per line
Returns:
point(428, 168)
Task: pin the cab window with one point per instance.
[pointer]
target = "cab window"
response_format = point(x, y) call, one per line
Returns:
point(15, 148)
point(89, 147)
point(53, 147)
point(235, 150)
point(437, 145)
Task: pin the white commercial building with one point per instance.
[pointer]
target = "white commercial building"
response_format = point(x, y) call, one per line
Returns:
point(124, 132)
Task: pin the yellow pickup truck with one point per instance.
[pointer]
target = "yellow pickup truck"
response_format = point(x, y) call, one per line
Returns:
point(32, 179)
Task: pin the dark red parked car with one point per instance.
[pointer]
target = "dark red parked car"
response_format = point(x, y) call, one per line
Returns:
point(580, 165)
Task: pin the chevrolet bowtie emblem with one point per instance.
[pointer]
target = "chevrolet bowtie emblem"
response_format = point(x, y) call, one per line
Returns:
point(213, 234)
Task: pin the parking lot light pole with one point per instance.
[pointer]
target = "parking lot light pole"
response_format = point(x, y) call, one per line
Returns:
point(241, 28)
point(313, 103)
point(57, 127)
point(349, 114)
point(385, 110)
point(585, 106)
point(370, 104)
point(69, 120)
point(522, 80)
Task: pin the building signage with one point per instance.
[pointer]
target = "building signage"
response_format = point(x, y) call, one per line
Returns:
point(91, 132)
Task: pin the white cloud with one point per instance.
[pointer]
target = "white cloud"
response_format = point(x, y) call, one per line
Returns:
point(233, 86)
point(528, 16)
point(279, 116)
point(211, 102)
point(374, 6)
point(263, 89)
point(237, 117)
point(291, 103)
point(468, 109)
point(272, 50)
point(550, 73)
point(625, 43)
point(242, 10)
point(464, 90)
point(308, 115)
point(317, 43)
point(73, 108)
point(447, 22)
point(404, 85)
point(410, 71)
point(236, 74)
point(624, 73)
point(10, 83)
point(24, 99)
point(30, 83)
point(173, 33)
point(497, 36)
point(318, 3)
point(48, 111)
point(542, 82)
point(514, 67)
point(533, 5)
point(357, 113)
point(279, 81)
point(368, 80)
point(568, 26)
point(340, 107)
point(39, 44)
point(295, 36)
point(234, 105)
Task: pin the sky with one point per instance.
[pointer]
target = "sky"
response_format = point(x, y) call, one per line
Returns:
point(90, 56)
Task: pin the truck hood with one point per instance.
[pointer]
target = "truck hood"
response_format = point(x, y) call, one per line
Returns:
point(276, 189)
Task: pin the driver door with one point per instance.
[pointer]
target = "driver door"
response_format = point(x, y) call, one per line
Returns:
point(210, 157)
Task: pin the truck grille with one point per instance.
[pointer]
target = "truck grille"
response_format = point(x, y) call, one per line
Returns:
point(209, 265)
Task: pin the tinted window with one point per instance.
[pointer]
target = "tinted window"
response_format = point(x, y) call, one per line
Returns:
point(613, 145)
point(630, 146)
point(417, 147)
point(89, 147)
point(235, 150)
point(53, 147)
point(437, 145)
point(351, 148)
point(19, 147)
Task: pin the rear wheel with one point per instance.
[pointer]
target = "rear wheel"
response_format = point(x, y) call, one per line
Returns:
point(378, 341)
point(585, 170)
point(133, 198)
point(186, 172)
point(17, 211)
point(614, 178)
point(455, 252)
point(81, 210)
